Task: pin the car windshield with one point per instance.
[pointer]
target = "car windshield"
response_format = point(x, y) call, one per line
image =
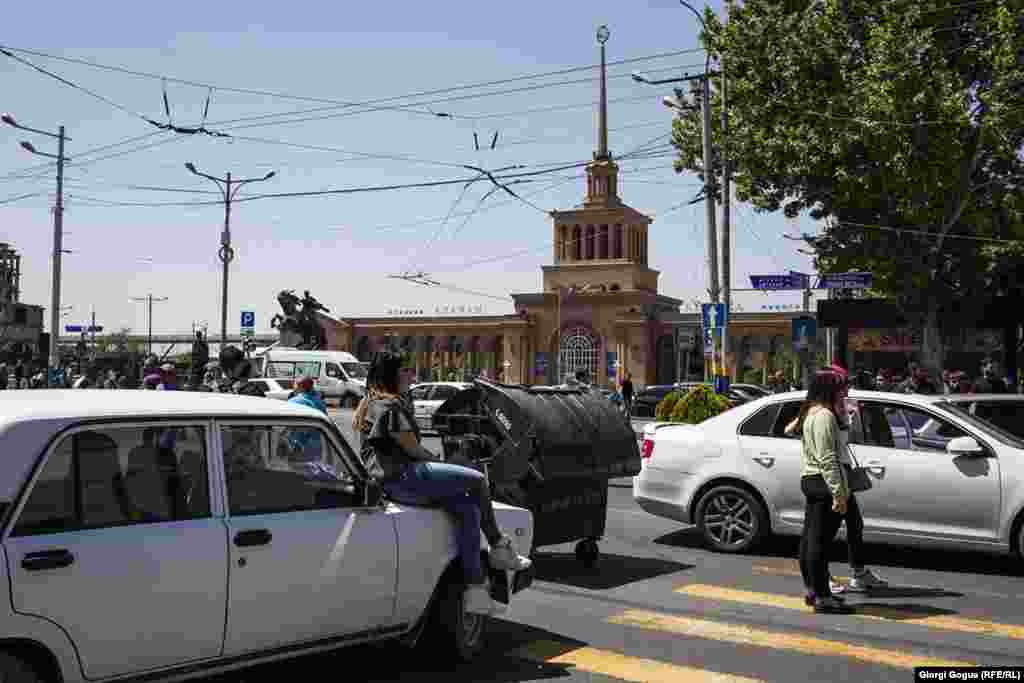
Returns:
point(984, 425)
point(355, 370)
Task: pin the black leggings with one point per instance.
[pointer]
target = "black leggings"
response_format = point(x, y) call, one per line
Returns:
point(820, 527)
point(854, 533)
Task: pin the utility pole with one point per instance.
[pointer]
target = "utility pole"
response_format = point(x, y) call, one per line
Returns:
point(726, 218)
point(229, 188)
point(149, 298)
point(58, 231)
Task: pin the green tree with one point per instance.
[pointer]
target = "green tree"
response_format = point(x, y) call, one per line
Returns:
point(880, 114)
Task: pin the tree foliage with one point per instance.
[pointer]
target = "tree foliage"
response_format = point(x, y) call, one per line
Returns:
point(879, 114)
point(699, 404)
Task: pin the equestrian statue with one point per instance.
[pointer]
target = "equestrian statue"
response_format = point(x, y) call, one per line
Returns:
point(299, 324)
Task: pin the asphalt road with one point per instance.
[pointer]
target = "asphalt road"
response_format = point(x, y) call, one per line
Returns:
point(661, 607)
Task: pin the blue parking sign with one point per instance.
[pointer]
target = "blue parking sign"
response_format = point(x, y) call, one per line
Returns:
point(248, 319)
point(715, 316)
point(804, 332)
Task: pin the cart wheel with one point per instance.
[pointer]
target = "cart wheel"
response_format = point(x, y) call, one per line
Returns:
point(587, 552)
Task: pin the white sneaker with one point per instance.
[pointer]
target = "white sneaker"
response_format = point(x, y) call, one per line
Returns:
point(865, 581)
point(478, 601)
point(503, 556)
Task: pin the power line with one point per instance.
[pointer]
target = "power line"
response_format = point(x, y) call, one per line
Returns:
point(80, 88)
point(18, 198)
point(445, 100)
point(368, 103)
point(367, 155)
point(928, 233)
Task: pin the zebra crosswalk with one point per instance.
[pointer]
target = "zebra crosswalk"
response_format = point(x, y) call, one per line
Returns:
point(702, 631)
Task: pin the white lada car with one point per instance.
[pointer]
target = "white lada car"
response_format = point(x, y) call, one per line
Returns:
point(172, 534)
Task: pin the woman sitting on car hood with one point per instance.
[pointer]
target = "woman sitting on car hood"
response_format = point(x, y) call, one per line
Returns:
point(411, 474)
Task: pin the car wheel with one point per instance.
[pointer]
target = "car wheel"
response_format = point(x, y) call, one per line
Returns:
point(731, 519)
point(14, 669)
point(454, 632)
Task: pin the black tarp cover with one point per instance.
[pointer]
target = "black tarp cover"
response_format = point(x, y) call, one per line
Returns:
point(562, 432)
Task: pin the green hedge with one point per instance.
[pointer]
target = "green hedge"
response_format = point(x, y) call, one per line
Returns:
point(663, 411)
point(696, 406)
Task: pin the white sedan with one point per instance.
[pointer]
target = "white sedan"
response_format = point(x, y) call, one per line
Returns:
point(174, 534)
point(279, 388)
point(429, 396)
point(939, 474)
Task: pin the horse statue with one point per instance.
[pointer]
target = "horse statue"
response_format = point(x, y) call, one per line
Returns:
point(298, 324)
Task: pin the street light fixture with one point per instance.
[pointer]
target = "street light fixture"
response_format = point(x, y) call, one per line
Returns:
point(229, 188)
point(58, 227)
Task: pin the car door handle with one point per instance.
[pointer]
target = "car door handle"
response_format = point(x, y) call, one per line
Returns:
point(253, 537)
point(47, 559)
point(764, 459)
point(874, 466)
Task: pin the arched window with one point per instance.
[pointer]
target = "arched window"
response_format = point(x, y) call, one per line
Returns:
point(589, 253)
point(617, 248)
point(578, 351)
point(602, 242)
point(577, 243)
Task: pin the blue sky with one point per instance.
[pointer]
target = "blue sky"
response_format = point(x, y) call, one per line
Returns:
point(342, 247)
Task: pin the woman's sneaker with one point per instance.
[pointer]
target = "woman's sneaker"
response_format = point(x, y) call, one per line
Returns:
point(836, 587)
point(864, 581)
point(503, 556)
point(831, 605)
point(478, 601)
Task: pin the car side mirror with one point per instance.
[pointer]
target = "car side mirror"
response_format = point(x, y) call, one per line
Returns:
point(373, 493)
point(965, 445)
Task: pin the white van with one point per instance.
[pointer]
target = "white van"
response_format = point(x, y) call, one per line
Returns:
point(338, 375)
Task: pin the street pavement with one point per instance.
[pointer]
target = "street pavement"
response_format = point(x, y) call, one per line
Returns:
point(659, 606)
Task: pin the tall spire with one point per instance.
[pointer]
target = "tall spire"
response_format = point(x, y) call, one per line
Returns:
point(602, 114)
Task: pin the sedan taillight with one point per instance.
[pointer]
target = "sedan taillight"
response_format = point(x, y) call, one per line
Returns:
point(647, 448)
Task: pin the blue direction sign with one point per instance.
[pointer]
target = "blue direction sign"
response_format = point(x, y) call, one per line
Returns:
point(83, 328)
point(804, 332)
point(716, 316)
point(780, 281)
point(72, 328)
point(858, 280)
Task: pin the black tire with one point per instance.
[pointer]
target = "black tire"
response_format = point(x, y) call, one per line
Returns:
point(453, 633)
point(587, 552)
point(731, 519)
point(14, 669)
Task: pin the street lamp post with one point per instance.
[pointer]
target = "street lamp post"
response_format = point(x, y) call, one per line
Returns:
point(58, 229)
point(149, 298)
point(229, 188)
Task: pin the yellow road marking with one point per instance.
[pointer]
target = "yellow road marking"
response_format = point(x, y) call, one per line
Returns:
point(760, 569)
point(882, 612)
point(745, 635)
point(617, 665)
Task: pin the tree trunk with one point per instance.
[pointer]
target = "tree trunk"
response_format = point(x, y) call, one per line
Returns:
point(933, 350)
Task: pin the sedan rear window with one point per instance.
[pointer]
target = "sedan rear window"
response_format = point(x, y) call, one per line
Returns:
point(762, 421)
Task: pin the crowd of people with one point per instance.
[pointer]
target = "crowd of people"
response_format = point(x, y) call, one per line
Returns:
point(916, 379)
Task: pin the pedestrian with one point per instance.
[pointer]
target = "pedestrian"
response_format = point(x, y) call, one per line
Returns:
point(990, 382)
point(3, 376)
point(391, 450)
point(306, 396)
point(122, 382)
point(847, 413)
point(918, 382)
point(111, 381)
point(168, 378)
point(824, 486)
point(627, 393)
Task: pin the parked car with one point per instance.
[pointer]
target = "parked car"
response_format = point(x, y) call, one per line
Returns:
point(166, 534)
point(736, 476)
point(428, 397)
point(279, 388)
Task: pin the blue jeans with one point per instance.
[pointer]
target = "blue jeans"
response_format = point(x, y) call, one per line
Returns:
point(464, 493)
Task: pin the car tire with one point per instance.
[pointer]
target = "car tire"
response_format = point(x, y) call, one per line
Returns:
point(731, 519)
point(453, 633)
point(14, 669)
